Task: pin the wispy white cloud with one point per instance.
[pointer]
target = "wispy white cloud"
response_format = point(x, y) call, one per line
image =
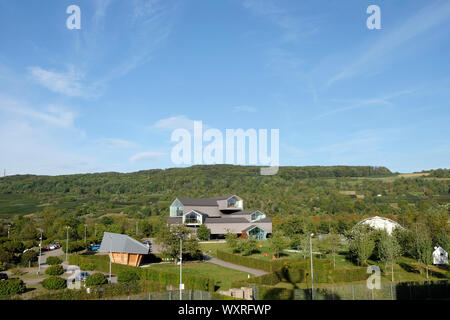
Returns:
point(141, 156)
point(176, 122)
point(414, 26)
point(354, 104)
point(68, 83)
point(245, 108)
point(293, 27)
point(52, 114)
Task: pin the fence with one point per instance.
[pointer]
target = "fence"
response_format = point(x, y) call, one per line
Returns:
point(170, 295)
point(388, 291)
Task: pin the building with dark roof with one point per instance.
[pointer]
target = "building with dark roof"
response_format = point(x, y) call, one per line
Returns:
point(220, 215)
point(123, 249)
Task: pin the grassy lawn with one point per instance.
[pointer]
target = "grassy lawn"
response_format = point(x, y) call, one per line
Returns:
point(223, 276)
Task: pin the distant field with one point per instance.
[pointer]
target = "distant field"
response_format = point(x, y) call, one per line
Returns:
point(415, 174)
point(12, 204)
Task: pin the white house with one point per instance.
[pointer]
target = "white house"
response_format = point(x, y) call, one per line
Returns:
point(440, 256)
point(379, 223)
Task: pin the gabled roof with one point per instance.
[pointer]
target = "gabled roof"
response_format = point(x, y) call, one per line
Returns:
point(116, 242)
point(204, 201)
point(250, 228)
point(226, 220)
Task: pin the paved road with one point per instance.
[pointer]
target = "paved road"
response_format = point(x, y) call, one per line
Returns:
point(255, 272)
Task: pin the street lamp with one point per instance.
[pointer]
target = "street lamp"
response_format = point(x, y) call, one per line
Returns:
point(312, 271)
point(9, 227)
point(181, 263)
point(110, 257)
point(85, 231)
point(67, 244)
point(40, 253)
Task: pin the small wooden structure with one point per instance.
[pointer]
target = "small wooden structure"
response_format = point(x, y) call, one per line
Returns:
point(123, 249)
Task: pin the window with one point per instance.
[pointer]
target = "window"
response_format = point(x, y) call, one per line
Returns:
point(232, 203)
point(191, 218)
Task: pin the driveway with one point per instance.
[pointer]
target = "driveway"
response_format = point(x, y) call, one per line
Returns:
point(255, 272)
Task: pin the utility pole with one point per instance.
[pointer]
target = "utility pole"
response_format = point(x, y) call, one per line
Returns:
point(181, 265)
point(312, 271)
point(40, 253)
point(67, 244)
point(110, 257)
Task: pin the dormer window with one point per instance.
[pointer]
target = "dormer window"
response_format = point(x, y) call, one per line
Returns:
point(231, 203)
point(256, 216)
point(192, 218)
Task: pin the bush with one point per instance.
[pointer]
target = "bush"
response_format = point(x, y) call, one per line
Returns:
point(127, 276)
point(12, 286)
point(96, 279)
point(53, 260)
point(54, 283)
point(203, 232)
point(55, 270)
point(5, 256)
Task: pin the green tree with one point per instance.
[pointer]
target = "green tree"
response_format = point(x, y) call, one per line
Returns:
point(169, 240)
point(203, 232)
point(388, 250)
point(232, 241)
point(424, 249)
point(361, 245)
point(278, 242)
point(247, 245)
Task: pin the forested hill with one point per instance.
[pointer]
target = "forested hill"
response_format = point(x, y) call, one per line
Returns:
point(186, 179)
point(339, 193)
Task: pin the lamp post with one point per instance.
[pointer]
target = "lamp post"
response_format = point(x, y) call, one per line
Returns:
point(85, 232)
point(95, 230)
point(181, 263)
point(110, 257)
point(67, 244)
point(9, 227)
point(40, 253)
point(312, 270)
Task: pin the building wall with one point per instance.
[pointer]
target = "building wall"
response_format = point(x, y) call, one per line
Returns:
point(130, 259)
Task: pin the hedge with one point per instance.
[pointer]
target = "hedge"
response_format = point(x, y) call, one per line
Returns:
point(12, 286)
point(269, 266)
point(127, 276)
point(103, 292)
point(101, 263)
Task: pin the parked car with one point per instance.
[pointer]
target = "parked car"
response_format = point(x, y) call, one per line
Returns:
point(53, 247)
point(46, 248)
point(3, 276)
point(94, 247)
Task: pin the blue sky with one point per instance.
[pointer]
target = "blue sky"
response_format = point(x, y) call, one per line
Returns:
point(107, 97)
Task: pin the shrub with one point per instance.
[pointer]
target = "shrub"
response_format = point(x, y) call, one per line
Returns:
point(12, 286)
point(55, 270)
point(96, 279)
point(53, 260)
point(54, 283)
point(5, 256)
point(127, 276)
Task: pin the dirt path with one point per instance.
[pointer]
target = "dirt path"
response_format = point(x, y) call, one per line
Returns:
point(255, 272)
